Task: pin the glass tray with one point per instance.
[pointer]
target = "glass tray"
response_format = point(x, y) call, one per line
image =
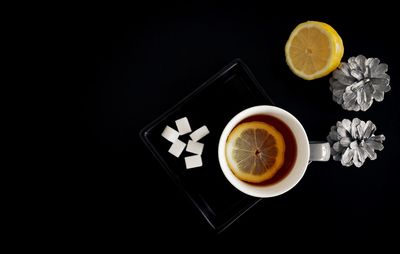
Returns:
point(213, 104)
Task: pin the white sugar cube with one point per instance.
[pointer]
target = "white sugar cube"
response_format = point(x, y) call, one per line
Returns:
point(183, 126)
point(177, 148)
point(195, 147)
point(170, 134)
point(193, 161)
point(199, 133)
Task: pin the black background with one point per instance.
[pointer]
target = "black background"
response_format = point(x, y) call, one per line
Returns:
point(150, 59)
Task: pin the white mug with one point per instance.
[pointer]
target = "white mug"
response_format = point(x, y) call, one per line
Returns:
point(306, 151)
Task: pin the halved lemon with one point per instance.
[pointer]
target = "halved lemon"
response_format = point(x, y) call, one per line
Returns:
point(314, 50)
point(255, 151)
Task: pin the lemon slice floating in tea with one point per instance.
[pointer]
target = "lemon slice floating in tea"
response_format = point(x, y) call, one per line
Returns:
point(313, 50)
point(255, 151)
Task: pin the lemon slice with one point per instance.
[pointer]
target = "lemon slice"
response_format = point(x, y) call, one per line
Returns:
point(255, 151)
point(314, 50)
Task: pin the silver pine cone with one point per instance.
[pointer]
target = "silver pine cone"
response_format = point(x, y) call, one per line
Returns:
point(358, 82)
point(353, 141)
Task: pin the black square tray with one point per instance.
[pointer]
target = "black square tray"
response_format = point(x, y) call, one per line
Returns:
point(213, 104)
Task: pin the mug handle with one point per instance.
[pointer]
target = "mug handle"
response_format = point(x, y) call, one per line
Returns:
point(319, 151)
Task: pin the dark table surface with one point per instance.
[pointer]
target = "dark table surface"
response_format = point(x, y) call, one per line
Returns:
point(147, 62)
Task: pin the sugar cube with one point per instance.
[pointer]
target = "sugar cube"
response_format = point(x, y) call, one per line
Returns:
point(195, 147)
point(177, 148)
point(193, 161)
point(183, 126)
point(199, 133)
point(170, 134)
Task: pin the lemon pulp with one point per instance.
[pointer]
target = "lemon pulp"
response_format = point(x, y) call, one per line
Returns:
point(255, 151)
point(313, 50)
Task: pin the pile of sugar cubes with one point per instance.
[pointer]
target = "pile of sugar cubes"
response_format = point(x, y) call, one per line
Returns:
point(193, 146)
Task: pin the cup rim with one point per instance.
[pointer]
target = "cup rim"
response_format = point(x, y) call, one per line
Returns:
point(302, 157)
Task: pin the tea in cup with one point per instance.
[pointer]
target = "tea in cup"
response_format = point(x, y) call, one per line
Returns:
point(264, 151)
